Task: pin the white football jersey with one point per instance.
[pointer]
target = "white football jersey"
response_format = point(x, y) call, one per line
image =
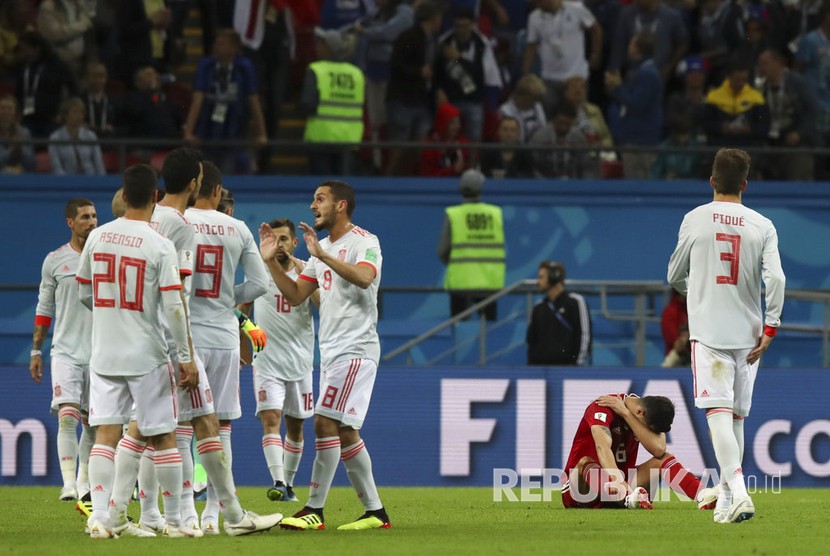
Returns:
point(348, 314)
point(223, 244)
point(172, 224)
point(289, 354)
point(128, 264)
point(724, 250)
point(58, 299)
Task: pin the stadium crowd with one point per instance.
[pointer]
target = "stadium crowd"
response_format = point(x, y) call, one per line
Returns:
point(639, 81)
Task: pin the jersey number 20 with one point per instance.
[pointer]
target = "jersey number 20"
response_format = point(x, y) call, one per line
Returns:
point(129, 268)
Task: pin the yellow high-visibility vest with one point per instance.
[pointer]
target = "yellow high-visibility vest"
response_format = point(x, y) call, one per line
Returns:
point(339, 117)
point(477, 256)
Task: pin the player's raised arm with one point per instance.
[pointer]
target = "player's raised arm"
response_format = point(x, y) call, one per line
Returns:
point(294, 292)
point(361, 275)
point(256, 277)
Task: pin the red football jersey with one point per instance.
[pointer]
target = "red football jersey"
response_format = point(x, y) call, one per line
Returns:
point(624, 445)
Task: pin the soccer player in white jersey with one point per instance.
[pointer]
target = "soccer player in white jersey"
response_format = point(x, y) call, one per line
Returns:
point(346, 267)
point(282, 376)
point(182, 172)
point(129, 279)
point(58, 300)
point(724, 251)
point(222, 244)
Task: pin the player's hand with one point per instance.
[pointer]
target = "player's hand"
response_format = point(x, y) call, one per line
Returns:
point(267, 242)
point(615, 404)
point(36, 367)
point(299, 264)
point(189, 375)
point(255, 334)
point(311, 241)
point(763, 344)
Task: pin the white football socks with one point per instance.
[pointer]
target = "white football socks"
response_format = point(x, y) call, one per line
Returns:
point(169, 473)
point(219, 474)
point(101, 472)
point(127, 459)
point(68, 419)
point(726, 450)
point(184, 441)
point(322, 473)
point(293, 453)
point(148, 487)
point(359, 469)
point(273, 451)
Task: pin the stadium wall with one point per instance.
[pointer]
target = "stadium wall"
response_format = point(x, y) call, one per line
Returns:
point(454, 427)
point(601, 230)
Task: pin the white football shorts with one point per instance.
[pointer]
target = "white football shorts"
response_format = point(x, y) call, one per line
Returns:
point(345, 391)
point(222, 368)
point(196, 402)
point(723, 378)
point(156, 402)
point(294, 398)
point(70, 383)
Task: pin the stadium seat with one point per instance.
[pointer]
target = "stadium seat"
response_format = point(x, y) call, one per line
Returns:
point(157, 159)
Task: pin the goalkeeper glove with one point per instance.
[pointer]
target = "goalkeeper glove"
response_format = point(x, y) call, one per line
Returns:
point(252, 331)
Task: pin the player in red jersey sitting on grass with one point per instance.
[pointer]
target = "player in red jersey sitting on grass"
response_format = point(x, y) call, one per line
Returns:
point(601, 470)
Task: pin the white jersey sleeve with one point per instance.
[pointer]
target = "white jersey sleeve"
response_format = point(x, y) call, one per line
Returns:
point(289, 354)
point(724, 251)
point(128, 265)
point(348, 313)
point(256, 275)
point(60, 306)
point(174, 226)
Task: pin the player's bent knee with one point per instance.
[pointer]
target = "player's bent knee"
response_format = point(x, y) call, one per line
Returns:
point(205, 426)
point(325, 427)
point(271, 418)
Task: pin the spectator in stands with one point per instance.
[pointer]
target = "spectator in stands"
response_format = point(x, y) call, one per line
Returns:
point(224, 100)
point(720, 32)
point(690, 102)
point(410, 74)
point(338, 15)
point(147, 112)
point(63, 24)
point(449, 161)
point(554, 159)
point(141, 31)
point(466, 73)
point(607, 13)
point(525, 105)
point(736, 113)
point(785, 22)
point(589, 118)
point(102, 112)
point(472, 247)
point(678, 163)
point(754, 42)
point(8, 40)
point(675, 315)
point(376, 39)
point(332, 99)
point(671, 38)
point(556, 33)
point(507, 161)
point(14, 159)
point(43, 80)
point(636, 113)
point(680, 355)
point(559, 332)
point(812, 60)
point(268, 40)
point(75, 158)
point(793, 114)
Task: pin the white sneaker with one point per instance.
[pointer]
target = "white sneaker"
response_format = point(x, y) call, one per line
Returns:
point(707, 498)
point(130, 529)
point(153, 525)
point(638, 499)
point(98, 530)
point(210, 527)
point(740, 510)
point(182, 532)
point(252, 523)
point(69, 493)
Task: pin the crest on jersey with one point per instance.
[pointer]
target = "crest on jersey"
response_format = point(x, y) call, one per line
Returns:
point(341, 255)
point(58, 391)
point(601, 416)
point(263, 395)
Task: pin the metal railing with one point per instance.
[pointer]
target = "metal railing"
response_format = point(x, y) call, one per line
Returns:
point(644, 312)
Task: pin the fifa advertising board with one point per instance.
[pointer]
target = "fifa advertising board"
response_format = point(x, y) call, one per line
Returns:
point(481, 427)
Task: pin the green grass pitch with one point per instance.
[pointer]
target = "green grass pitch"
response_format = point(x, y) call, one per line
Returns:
point(440, 521)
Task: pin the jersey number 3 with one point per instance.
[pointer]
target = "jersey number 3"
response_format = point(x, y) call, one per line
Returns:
point(733, 258)
point(130, 281)
point(209, 261)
